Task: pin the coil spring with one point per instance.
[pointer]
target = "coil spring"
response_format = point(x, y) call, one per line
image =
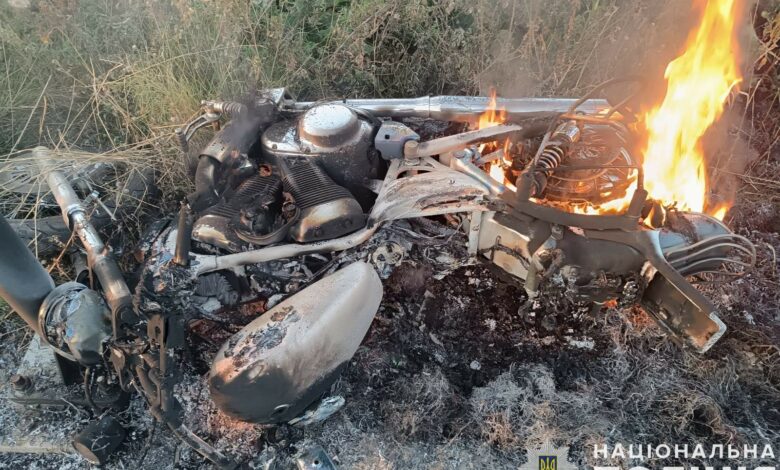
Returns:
point(233, 108)
point(552, 156)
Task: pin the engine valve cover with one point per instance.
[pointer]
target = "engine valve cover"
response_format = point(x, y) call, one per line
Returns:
point(278, 365)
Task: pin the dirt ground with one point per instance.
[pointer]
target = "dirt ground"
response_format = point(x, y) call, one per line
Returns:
point(464, 372)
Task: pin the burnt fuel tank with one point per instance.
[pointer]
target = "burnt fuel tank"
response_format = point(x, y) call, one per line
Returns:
point(278, 365)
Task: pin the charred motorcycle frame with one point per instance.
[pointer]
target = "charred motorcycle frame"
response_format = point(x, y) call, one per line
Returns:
point(282, 179)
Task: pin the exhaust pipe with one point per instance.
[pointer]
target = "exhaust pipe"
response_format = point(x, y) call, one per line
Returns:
point(24, 283)
point(464, 108)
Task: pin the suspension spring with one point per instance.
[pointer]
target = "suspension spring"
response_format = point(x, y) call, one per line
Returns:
point(230, 109)
point(552, 156)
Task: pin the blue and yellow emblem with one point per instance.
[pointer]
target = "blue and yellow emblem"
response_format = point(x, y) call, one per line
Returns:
point(548, 462)
point(548, 457)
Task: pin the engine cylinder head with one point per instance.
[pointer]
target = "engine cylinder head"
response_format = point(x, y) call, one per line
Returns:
point(338, 140)
point(327, 209)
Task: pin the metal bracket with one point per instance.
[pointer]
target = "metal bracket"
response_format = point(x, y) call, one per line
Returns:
point(391, 138)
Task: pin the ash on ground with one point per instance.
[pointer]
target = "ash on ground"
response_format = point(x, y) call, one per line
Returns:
point(460, 370)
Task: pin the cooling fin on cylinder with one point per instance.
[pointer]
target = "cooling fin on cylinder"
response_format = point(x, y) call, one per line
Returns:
point(278, 365)
point(327, 209)
point(338, 139)
point(259, 197)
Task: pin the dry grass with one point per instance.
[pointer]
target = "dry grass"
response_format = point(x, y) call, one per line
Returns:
point(119, 73)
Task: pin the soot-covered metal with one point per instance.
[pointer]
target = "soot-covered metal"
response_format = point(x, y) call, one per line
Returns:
point(283, 243)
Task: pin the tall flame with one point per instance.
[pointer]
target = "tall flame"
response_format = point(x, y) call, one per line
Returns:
point(698, 83)
point(494, 116)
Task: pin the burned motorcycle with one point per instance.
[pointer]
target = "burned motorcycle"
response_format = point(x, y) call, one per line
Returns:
point(285, 180)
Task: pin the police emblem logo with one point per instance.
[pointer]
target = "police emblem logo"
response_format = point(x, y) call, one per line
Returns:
point(548, 462)
point(548, 458)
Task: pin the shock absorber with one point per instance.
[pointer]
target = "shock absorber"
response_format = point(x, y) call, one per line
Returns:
point(231, 109)
point(553, 154)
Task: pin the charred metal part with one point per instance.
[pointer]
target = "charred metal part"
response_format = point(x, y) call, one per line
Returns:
point(510, 248)
point(181, 137)
point(99, 440)
point(329, 126)
point(207, 263)
point(598, 260)
point(705, 247)
point(326, 408)
point(327, 210)
point(598, 167)
point(202, 447)
point(451, 143)
point(464, 108)
point(184, 134)
point(334, 137)
point(236, 138)
point(164, 297)
point(432, 189)
point(522, 205)
point(80, 267)
point(76, 322)
point(251, 210)
point(391, 138)
point(674, 302)
point(205, 194)
point(231, 109)
point(24, 283)
point(21, 384)
point(462, 162)
point(99, 255)
point(553, 154)
point(314, 458)
point(217, 286)
point(184, 236)
point(387, 256)
point(292, 354)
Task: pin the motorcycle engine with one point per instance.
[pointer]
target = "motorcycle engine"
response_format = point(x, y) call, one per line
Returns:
point(305, 179)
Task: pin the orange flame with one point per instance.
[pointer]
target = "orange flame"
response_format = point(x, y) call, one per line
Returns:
point(720, 211)
point(494, 116)
point(698, 83)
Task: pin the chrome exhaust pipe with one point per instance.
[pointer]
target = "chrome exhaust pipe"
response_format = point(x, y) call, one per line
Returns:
point(462, 108)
